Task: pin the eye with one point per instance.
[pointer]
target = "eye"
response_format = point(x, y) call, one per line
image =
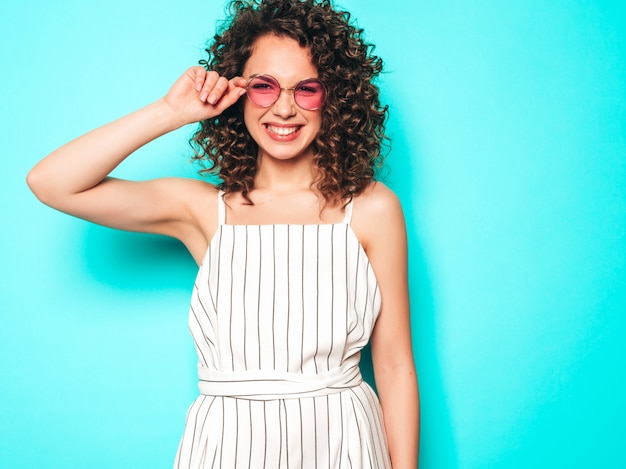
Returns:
point(262, 87)
point(309, 88)
point(306, 90)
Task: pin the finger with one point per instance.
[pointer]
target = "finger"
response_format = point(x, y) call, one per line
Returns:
point(218, 90)
point(230, 97)
point(207, 87)
point(239, 82)
point(200, 76)
point(238, 86)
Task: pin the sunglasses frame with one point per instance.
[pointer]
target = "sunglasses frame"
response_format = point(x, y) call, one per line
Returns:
point(270, 79)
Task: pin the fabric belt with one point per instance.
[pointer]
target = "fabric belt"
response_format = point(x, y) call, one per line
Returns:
point(269, 385)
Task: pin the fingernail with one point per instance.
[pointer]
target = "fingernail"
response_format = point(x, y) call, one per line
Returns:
point(203, 97)
point(212, 99)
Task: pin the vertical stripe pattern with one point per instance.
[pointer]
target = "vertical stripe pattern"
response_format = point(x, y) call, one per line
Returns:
point(293, 302)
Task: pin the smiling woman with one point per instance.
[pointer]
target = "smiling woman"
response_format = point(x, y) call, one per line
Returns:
point(352, 116)
point(507, 120)
point(302, 254)
point(284, 130)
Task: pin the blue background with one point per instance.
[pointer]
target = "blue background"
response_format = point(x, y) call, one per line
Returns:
point(509, 155)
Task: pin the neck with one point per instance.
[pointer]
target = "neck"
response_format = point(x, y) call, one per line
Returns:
point(285, 175)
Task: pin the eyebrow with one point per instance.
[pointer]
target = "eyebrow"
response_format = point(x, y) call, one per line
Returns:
point(257, 75)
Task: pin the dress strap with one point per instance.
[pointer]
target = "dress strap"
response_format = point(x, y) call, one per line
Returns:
point(348, 213)
point(221, 209)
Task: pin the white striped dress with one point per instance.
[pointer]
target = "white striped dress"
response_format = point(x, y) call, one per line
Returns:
point(279, 314)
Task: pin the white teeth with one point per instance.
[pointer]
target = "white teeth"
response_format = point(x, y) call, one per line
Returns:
point(282, 131)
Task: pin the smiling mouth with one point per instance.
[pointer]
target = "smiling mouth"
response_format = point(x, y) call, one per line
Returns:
point(282, 131)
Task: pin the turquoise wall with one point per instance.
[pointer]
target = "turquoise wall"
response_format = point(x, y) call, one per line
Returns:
point(509, 154)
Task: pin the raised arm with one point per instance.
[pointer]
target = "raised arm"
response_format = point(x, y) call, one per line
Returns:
point(74, 178)
point(385, 242)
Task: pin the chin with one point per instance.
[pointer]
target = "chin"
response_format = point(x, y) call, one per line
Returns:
point(287, 155)
point(286, 152)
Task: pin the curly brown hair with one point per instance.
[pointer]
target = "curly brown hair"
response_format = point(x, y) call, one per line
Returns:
point(348, 148)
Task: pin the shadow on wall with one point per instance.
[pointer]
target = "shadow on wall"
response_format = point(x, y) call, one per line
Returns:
point(137, 261)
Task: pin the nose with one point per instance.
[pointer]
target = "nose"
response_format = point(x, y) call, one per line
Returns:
point(285, 105)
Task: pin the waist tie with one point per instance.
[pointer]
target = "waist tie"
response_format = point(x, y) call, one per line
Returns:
point(269, 385)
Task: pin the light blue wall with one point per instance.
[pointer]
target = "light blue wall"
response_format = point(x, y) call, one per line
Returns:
point(509, 128)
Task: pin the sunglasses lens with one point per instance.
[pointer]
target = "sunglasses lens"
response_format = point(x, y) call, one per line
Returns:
point(263, 91)
point(310, 94)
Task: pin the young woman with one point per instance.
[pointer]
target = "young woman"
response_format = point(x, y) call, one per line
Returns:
point(302, 254)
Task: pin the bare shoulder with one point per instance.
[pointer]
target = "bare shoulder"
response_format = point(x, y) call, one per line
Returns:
point(194, 188)
point(377, 214)
point(377, 200)
point(198, 196)
point(197, 217)
point(192, 195)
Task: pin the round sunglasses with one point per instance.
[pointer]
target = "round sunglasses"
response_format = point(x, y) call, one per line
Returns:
point(264, 91)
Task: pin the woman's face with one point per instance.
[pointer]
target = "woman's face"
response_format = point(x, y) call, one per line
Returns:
point(283, 131)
